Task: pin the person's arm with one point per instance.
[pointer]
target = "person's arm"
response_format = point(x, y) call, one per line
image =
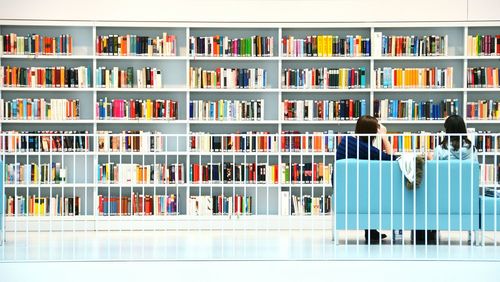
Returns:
point(386, 145)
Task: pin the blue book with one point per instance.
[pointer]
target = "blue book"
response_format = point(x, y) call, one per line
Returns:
point(363, 107)
point(363, 76)
point(368, 47)
point(25, 107)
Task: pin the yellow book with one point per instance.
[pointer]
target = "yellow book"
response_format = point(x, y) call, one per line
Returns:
point(149, 109)
point(325, 45)
point(330, 44)
point(320, 45)
point(341, 78)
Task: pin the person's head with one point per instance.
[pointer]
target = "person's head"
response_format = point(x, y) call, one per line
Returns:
point(455, 124)
point(367, 125)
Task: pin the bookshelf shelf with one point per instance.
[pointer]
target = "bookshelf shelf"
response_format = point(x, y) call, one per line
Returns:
point(176, 86)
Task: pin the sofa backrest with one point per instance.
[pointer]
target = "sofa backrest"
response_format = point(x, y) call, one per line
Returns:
point(447, 187)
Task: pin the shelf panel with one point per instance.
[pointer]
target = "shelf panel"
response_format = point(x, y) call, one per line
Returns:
point(138, 58)
point(89, 89)
point(78, 121)
point(236, 90)
point(483, 121)
point(318, 122)
point(254, 122)
point(336, 58)
point(491, 89)
point(166, 89)
point(141, 121)
point(304, 90)
point(48, 57)
point(68, 185)
point(418, 89)
point(417, 58)
point(200, 58)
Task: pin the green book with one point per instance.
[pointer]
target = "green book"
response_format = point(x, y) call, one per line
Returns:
point(130, 77)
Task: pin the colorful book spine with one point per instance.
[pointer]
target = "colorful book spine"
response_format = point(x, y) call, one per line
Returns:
point(219, 205)
point(483, 77)
point(136, 45)
point(485, 141)
point(490, 175)
point(388, 77)
point(483, 45)
point(228, 172)
point(136, 109)
point(44, 141)
point(43, 206)
point(325, 46)
point(414, 45)
point(40, 109)
point(413, 110)
point(50, 173)
point(307, 205)
point(45, 77)
point(130, 141)
point(147, 77)
point(252, 78)
point(483, 109)
point(224, 110)
point(111, 173)
point(324, 78)
point(235, 142)
point(305, 173)
point(294, 141)
point(223, 46)
point(35, 44)
point(346, 109)
point(406, 142)
point(137, 204)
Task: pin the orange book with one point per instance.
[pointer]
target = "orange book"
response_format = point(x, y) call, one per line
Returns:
point(63, 71)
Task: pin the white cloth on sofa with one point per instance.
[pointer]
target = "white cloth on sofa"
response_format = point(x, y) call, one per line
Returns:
point(407, 164)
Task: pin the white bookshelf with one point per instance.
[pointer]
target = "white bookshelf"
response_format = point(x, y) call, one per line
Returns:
point(176, 86)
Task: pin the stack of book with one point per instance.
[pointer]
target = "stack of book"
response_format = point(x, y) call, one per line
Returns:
point(40, 109)
point(255, 78)
point(483, 109)
point(435, 77)
point(111, 173)
point(414, 45)
point(324, 78)
point(136, 109)
point(325, 46)
point(49, 173)
point(137, 204)
point(223, 46)
point(226, 110)
point(45, 141)
point(410, 109)
point(147, 77)
point(483, 45)
point(346, 109)
point(220, 205)
point(483, 77)
point(35, 44)
point(235, 142)
point(249, 173)
point(43, 206)
point(136, 45)
point(45, 77)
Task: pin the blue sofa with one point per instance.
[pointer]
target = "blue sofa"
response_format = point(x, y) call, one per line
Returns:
point(364, 191)
point(487, 210)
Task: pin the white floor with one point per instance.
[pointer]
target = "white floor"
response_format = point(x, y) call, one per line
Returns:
point(246, 255)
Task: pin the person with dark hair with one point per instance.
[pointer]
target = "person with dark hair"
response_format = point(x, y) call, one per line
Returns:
point(456, 146)
point(362, 148)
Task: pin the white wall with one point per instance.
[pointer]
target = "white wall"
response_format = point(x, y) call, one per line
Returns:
point(253, 10)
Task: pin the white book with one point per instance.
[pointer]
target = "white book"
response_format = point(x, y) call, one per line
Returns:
point(285, 202)
point(377, 44)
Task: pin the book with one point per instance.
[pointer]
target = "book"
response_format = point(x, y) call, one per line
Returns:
point(483, 45)
point(34, 173)
point(294, 141)
point(130, 141)
point(146, 77)
point(228, 172)
point(136, 45)
point(36, 44)
point(490, 174)
point(483, 77)
point(414, 110)
point(223, 46)
point(483, 109)
point(345, 109)
point(305, 173)
point(220, 205)
point(251, 78)
point(137, 204)
point(44, 141)
point(226, 110)
point(20, 205)
point(308, 205)
point(414, 45)
point(130, 173)
point(325, 46)
point(40, 109)
point(377, 44)
point(250, 141)
point(136, 109)
point(45, 77)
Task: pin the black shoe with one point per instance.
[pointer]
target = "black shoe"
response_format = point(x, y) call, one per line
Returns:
point(375, 236)
point(419, 238)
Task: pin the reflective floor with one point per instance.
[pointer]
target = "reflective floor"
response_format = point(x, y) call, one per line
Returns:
point(232, 245)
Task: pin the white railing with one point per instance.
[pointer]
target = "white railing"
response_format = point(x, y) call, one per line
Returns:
point(153, 181)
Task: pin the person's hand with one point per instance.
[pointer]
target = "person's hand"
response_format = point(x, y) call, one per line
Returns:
point(430, 155)
point(382, 129)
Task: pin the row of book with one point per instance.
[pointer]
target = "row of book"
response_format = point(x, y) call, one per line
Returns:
point(137, 204)
point(388, 77)
point(414, 110)
point(43, 206)
point(36, 44)
point(304, 204)
point(483, 109)
point(490, 173)
point(485, 142)
point(45, 77)
point(483, 77)
point(229, 172)
point(341, 78)
point(405, 142)
point(40, 109)
point(130, 141)
point(250, 141)
point(130, 173)
point(33, 173)
point(45, 141)
point(147, 77)
point(483, 45)
point(287, 173)
point(226, 110)
point(219, 205)
point(294, 141)
point(136, 109)
point(414, 45)
point(252, 78)
point(223, 46)
point(136, 45)
point(345, 109)
point(325, 46)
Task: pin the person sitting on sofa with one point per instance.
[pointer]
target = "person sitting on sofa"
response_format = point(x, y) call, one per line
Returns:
point(454, 147)
point(362, 148)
